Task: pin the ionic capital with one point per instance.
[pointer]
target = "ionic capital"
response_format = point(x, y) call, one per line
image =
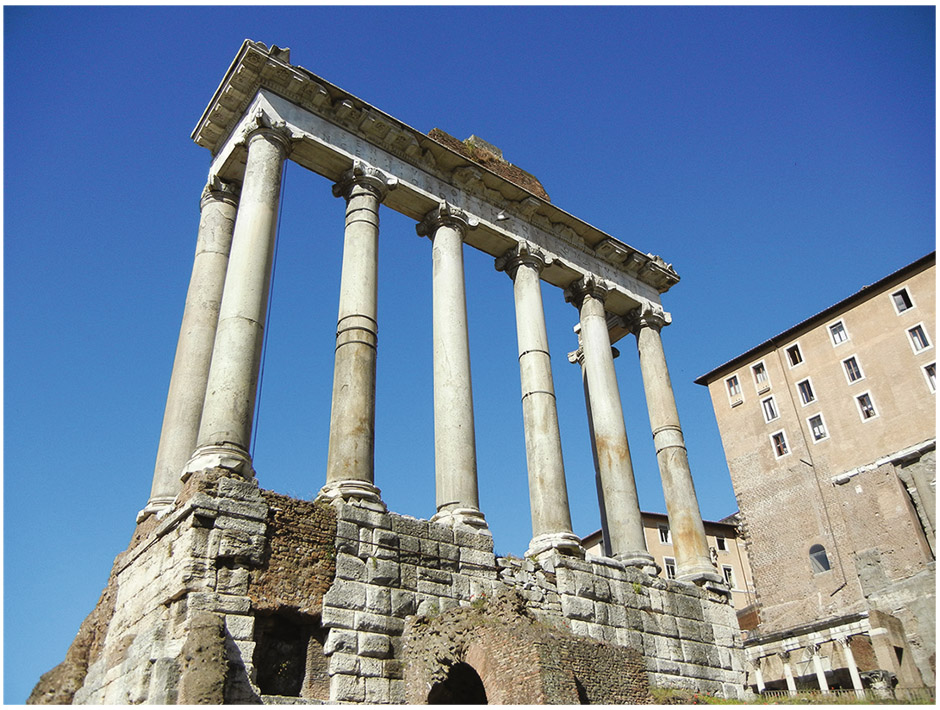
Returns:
point(217, 190)
point(784, 656)
point(649, 315)
point(845, 641)
point(362, 174)
point(576, 357)
point(523, 253)
point(593, 286)
point(275, 130)
point(446, 215)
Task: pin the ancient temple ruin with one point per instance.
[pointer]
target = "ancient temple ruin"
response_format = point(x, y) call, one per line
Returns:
point(230, 593)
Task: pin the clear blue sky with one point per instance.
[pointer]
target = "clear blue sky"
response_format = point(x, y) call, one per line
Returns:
point(779, 158)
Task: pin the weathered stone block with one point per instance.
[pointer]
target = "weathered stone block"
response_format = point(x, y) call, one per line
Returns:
point(386, 544)
point(349, 567)
point(240, 626)
point(441, 533)
point(335, 618)
point(341, 641)
point(372, 645)
point(382, 572)
point(473, 541)
point(434, 575)
point(378, 600)
point(363, 517)
point(347, 688)
point(577, 608)
point(433, 588)
point(346, 594)
point(404, 525)
point(377, 623)
point(232, 580)
point(377, 690)
point(224, 603)
point(476, 558)
point(409, 576)
point(344, 663)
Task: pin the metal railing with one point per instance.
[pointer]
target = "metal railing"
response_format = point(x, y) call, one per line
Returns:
point(899, 696)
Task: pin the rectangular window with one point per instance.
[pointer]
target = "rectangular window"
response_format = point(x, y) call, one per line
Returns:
point(761, 379)
point(818, 428)
point(734, 387)
point(794, 356)
point(779, 441)
point(930, 372)
point(838, 333)
point(919, 339)
point(866, 407)
point(665, 536)
point(902, 300)
point(852, 370)
point(728, 572)
point(806, 392)
point(770, 409)
point(721, 543)
point(670, 567)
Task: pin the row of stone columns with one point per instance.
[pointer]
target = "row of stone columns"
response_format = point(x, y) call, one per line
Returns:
point(846, 644)
point(208, 420)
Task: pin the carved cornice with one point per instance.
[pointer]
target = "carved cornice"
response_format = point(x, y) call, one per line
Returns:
point(522, 253)
point(257, 67)
point(364, 175)
point(446, 215)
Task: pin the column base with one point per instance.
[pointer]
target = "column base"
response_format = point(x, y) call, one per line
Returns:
point(565, 543)
point(352, 490)
point(702, 575)
point(462, 517)
point(640, 559)
point(230, 457)
point(156, 506)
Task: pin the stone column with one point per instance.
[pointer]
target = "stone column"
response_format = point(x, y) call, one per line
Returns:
point(455, 461)
point(194, 347)
point(846, 643)
point(548, 493)
point(693, 561)
point(225, 431)
point(577, 357)
point(759, 678)
point(610, 434)
point(818, 667)
point(351, 456)
point(788, 672)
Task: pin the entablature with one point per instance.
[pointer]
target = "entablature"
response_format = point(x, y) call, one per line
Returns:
point(331, 128)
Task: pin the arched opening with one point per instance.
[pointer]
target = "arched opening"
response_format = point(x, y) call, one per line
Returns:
point(818, 559)
point(463, 686)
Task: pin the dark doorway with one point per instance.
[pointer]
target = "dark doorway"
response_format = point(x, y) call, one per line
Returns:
point(462, 686)
point(288, 656)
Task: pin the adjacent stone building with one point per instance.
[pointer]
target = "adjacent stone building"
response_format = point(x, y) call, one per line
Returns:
point(829, 430)
point(230, 593)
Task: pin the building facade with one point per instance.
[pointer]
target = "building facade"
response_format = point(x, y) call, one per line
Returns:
point(724, 544)
point(829, 430)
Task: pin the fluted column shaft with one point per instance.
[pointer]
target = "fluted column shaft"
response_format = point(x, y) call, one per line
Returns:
point(548, 492)
point(351, 457)
point(225, 431)
point(455, 463)
point(610, 435)
point(693, 561)
point(187, 389)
